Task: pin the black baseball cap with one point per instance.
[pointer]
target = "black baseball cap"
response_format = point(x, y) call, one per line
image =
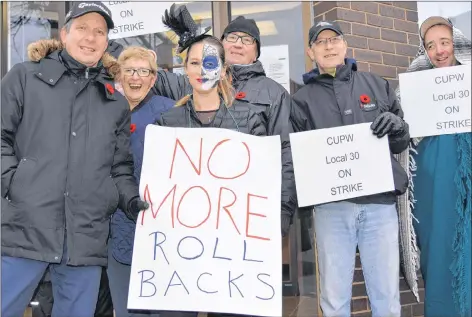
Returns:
point(319, 27)
point(81, 8)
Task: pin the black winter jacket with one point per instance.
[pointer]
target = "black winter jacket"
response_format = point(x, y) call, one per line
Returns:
point(268, 97)
point(239, 117)
point(66, 163)
point(327, 102)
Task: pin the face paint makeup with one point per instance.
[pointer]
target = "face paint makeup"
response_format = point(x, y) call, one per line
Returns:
point(211, 67)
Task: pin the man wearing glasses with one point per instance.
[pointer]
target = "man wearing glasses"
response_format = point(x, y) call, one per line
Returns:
point(241, 41)
point(331, 98)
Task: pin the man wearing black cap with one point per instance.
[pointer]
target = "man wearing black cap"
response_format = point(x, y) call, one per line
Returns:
point(336, 94)
point(241, 41)
point(66, 166)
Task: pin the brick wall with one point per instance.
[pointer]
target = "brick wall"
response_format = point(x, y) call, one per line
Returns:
point(383, 38)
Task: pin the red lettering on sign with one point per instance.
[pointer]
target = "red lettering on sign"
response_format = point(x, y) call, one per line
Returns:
point(248, 214)
point(178, 143)
point(233, 177)
point(226, 208)
point(182, 198)
point(147, 198)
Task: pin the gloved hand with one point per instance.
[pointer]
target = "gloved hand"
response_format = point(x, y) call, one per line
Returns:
point(387, 123)
point(134, 207)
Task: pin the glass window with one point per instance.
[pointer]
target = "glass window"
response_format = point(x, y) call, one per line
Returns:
point(283, 58)
point(28, 22)
point(165, 43)
point(281, 27)
point(458, 12)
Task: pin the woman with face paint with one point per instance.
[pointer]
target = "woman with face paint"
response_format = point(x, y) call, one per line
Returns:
point(212, 102)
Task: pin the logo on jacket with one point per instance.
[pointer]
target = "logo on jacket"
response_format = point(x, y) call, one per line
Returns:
point(366, 104)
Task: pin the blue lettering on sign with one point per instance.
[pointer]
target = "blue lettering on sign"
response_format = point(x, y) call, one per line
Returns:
point(158, 245)
point(143, 281)
point(264, 282)
point(231, 281)
point(198, 284)
point(214, 252)
point(244, 254)
point(181, 283)
point(189, 257)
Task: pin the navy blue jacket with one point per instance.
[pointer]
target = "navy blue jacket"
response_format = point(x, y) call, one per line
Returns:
point(122, 229)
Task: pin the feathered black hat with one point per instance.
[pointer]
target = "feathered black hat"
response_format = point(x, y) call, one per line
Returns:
point(181, 22)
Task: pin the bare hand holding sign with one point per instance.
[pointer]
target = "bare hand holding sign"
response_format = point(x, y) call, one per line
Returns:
point(340, 163)
point(437, 101)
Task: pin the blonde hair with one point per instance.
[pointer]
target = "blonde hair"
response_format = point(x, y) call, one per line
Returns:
point(225, 89)
point(138, 52)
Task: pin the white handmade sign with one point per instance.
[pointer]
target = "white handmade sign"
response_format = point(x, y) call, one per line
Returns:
point(437, 101)
point(133, 18)
point(340, 163)
point(210, 241)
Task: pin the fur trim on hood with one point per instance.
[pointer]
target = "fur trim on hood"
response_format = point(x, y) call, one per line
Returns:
point(42, 48)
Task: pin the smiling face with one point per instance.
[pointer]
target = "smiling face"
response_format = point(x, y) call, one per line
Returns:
point(240, 48)
point(87, 38)
point(136, 79)
point(204, 67)
point(439, 46)
point(328, 50)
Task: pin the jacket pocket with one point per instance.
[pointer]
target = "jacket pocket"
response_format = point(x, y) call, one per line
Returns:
point(113, 195)
point(20, 182)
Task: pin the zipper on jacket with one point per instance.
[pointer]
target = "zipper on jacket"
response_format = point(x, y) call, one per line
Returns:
point(87, 73)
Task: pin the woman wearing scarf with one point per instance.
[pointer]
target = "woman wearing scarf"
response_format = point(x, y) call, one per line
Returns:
point(441, 188)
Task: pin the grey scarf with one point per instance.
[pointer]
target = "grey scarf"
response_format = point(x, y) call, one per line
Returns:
point(405, 203)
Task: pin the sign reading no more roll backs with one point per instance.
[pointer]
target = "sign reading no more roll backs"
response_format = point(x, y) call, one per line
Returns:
point(210, 240)
point(437, 101)
point(133, 18)
point(340, 163)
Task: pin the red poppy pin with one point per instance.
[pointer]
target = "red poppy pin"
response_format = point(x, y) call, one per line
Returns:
point(110, 88)
point(365, 99)
point(240, 95)
point(132, 128)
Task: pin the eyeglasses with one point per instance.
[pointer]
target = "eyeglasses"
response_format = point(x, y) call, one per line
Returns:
point(333, 40)
point(142, 72)
point(245, 39)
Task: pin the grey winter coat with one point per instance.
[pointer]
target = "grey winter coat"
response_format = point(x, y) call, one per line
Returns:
point(269, 98)
point(66, 164)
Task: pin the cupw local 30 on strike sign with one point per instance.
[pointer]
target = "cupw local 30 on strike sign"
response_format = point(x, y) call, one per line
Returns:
point(437, 101)
point(210, 241)
point(340, 163)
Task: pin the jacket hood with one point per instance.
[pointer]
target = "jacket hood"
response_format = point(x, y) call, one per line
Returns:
point(42, 48)
point(311, 75)
point(244, 72)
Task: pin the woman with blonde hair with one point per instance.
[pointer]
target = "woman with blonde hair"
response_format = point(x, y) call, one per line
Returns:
point(135, 75)
point(212, 102)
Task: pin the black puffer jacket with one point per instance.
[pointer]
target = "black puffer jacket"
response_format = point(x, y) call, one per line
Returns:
point(269, 98)
point(66, 163)
point(239, 117)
